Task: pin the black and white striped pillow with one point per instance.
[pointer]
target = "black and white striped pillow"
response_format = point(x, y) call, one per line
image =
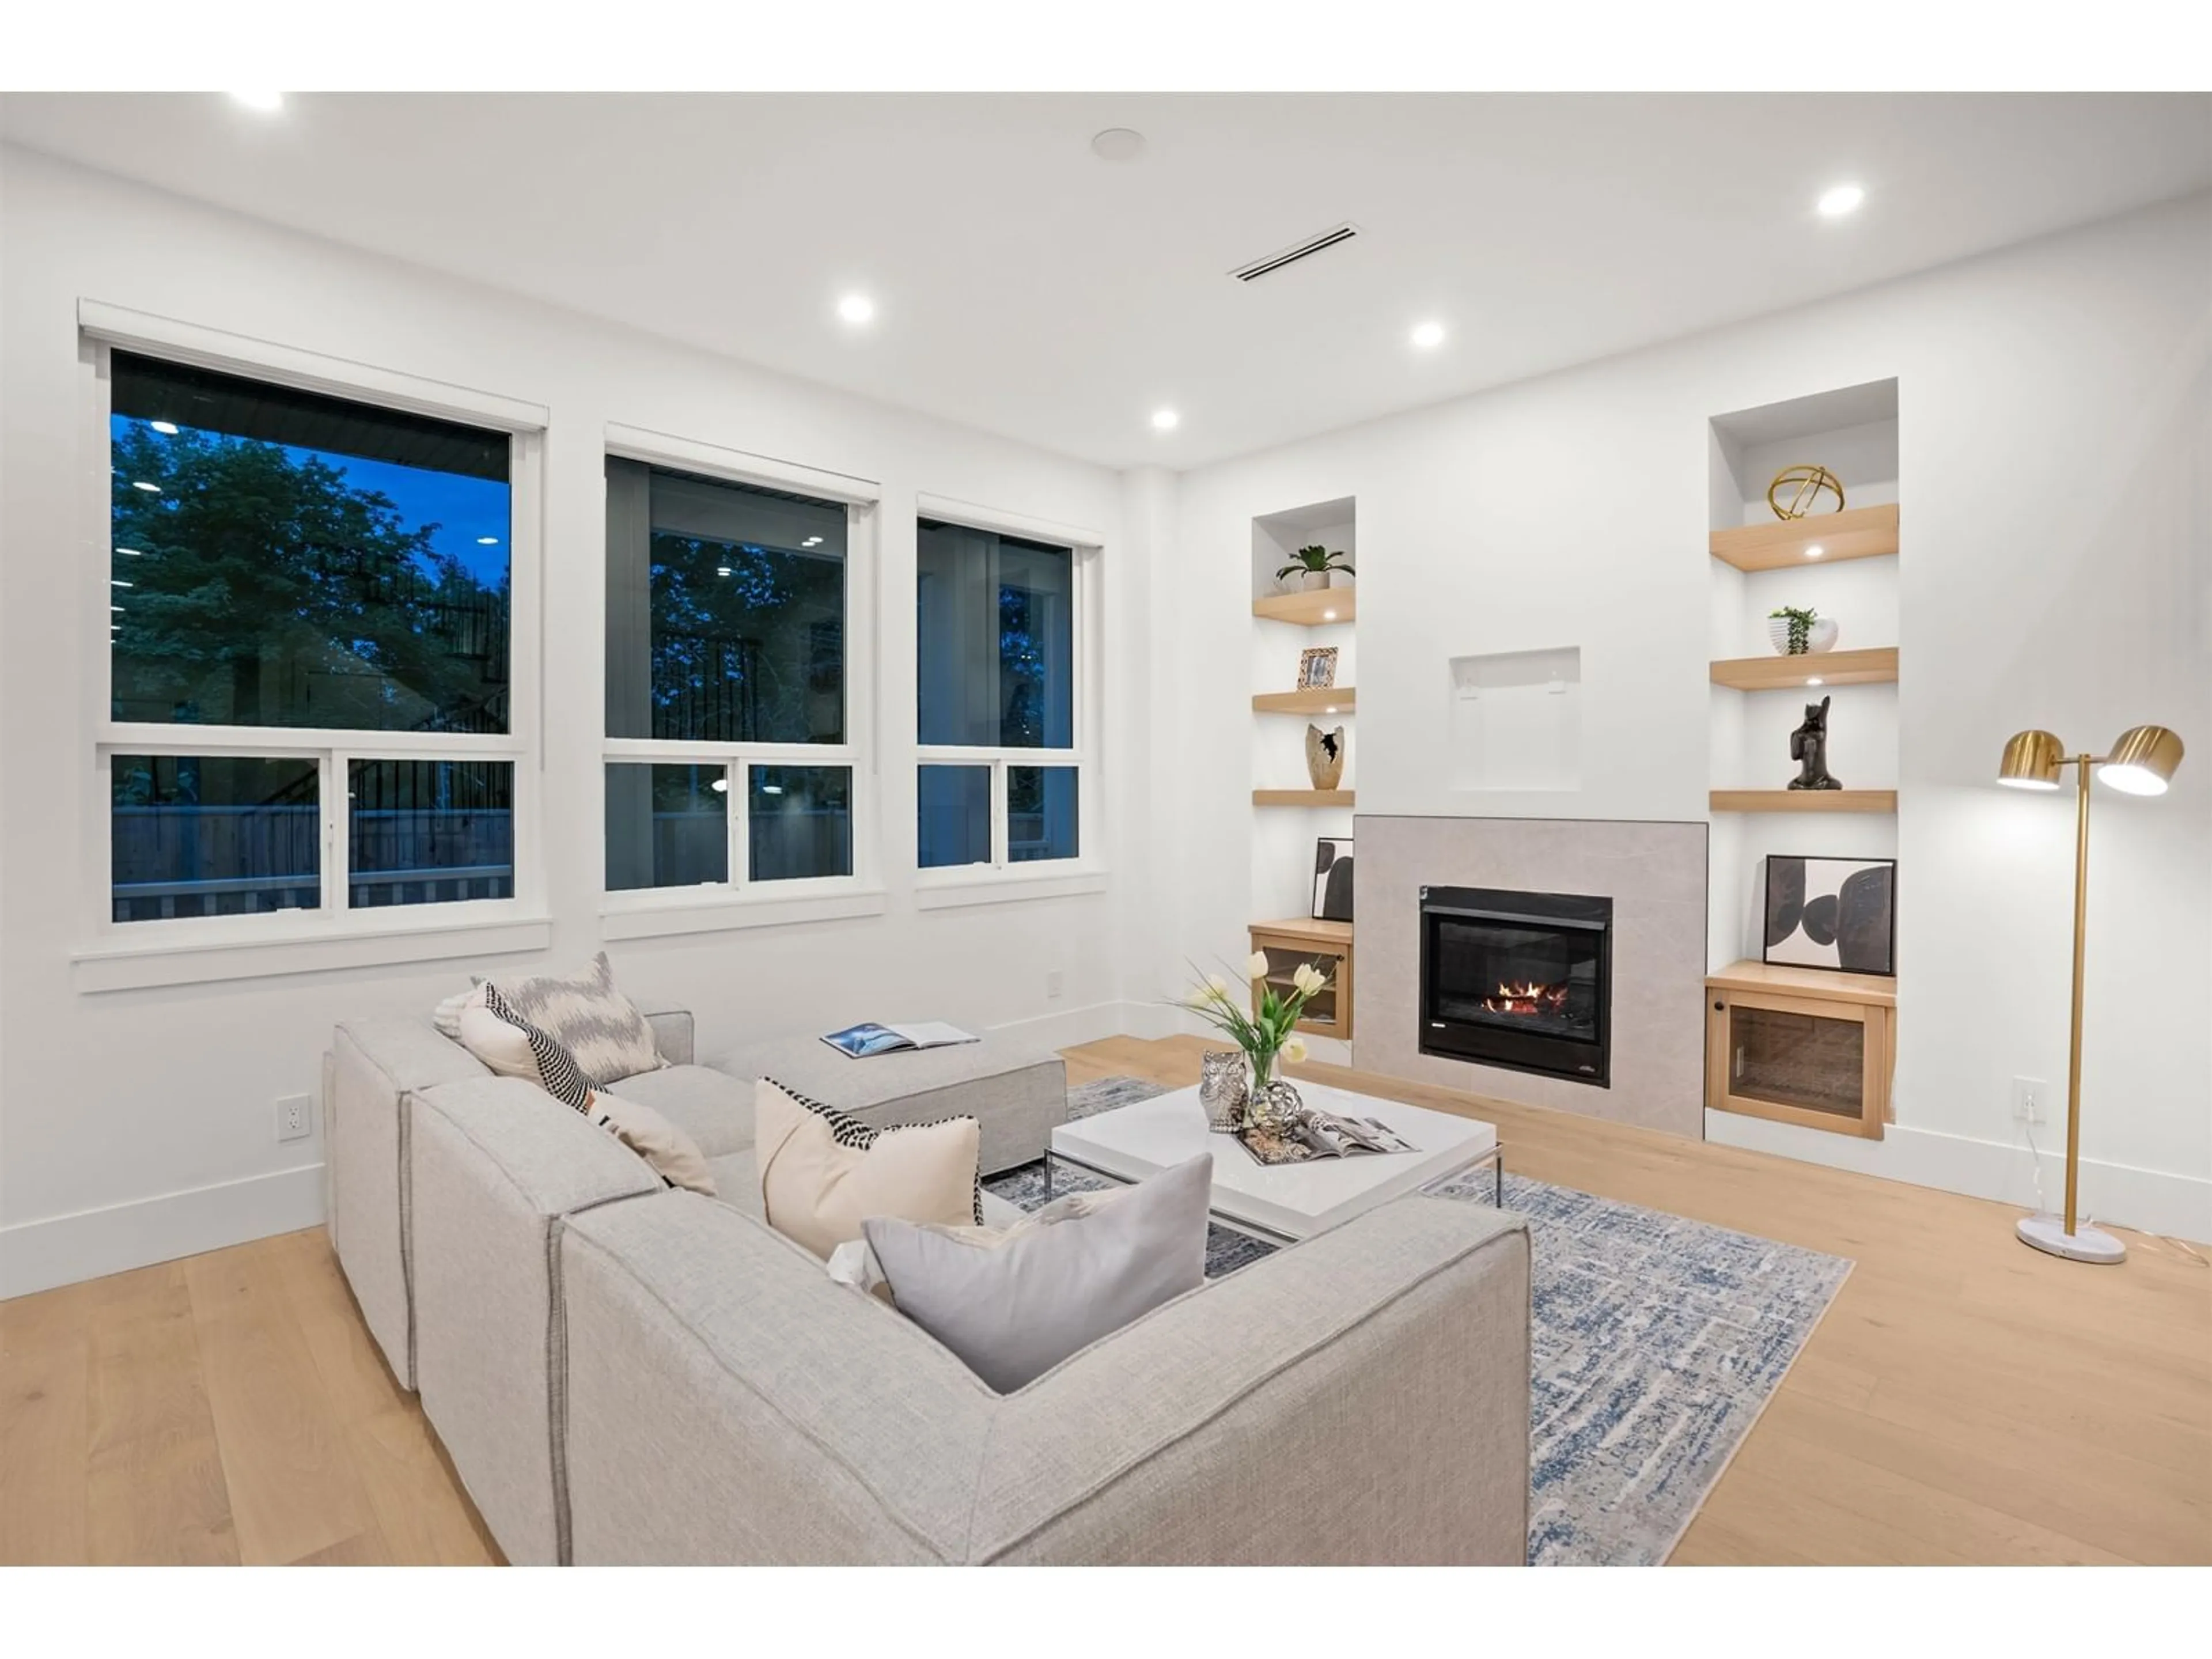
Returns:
point(845, 1130)
point(557, 1070)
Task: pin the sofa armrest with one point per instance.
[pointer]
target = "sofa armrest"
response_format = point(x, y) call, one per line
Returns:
point(497, 1164)
point(1360, 1398)
point(674, 1033)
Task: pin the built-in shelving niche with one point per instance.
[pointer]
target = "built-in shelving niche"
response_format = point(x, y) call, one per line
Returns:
point(1842, 565)
point(1288, 817)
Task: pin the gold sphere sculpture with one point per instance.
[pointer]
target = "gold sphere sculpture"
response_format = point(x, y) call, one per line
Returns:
point(1805, 484)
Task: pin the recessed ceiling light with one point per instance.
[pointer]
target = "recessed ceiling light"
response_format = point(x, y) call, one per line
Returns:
point(118, 582)
point(487, 541)
point(1118, 144)
point(1331, 709)
point(857, 308)
point(1816, 680)
point(116, 608)
point(261, 103)
point(1328, 616)
point(1815, 551)
point(130, 552)
point(1166, 420)
point(1838, 199)
point(166, 429)
point(150, 488)
point(721, 570)
point(1428, 336)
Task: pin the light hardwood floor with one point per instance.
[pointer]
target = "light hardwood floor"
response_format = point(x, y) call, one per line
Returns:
point(1965, 1399)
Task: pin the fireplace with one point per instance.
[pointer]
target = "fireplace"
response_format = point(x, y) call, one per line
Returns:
point(1519, 979)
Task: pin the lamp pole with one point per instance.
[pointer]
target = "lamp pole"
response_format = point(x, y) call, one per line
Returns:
point(2080, 935)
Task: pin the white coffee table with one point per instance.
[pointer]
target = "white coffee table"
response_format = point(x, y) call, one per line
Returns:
point(1287, 1202)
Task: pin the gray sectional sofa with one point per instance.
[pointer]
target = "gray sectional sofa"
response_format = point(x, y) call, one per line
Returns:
point(624, 1373)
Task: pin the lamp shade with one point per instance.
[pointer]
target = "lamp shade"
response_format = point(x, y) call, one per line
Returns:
point(2143, 760)
point(2032, 760)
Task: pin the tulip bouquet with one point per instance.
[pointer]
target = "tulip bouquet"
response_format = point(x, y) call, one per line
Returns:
point(1266, 1033)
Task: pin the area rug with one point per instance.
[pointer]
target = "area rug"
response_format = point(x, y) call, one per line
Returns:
point(1656, 1342)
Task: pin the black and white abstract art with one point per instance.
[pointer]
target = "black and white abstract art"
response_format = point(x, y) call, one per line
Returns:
point(1832, 912)
point(1332, 897)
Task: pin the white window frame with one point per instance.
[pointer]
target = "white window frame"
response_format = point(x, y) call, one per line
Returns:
point(740, 902)
point(187, 949)
point(943, 885)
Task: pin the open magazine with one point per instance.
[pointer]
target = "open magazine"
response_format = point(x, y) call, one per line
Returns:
point(1324, 1134)
point(859, 1042)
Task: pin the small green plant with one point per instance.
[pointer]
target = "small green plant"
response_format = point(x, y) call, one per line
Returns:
point(1315, 561)
point(1801, 626)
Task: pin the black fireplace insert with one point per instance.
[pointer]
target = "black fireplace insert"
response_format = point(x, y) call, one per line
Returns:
point(1519, 979)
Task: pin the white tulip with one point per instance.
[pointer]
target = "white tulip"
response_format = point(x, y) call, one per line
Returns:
point(1256, 968)
point(1309, 979)
point(1216, 987)
point(1294, 1051)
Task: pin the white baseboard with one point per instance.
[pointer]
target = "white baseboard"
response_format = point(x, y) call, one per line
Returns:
point(37, 1255)
point(2149, 1201)
point(1065, 1027)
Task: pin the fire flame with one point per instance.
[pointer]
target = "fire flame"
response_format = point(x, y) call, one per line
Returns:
point(1528, 998)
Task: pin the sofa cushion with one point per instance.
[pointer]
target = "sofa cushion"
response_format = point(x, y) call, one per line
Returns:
point(822, 1173)
point(713, 1108)
point(1013, 1302)
point(597, 1023)
point(675, 1157)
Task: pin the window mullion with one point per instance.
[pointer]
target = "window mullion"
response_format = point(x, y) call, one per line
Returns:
point(337, 875)
point(741, 823)
point(998, 836)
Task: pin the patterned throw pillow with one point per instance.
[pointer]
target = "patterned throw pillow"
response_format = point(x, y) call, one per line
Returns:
point(673, 1155)
point(822, 1173)
point(599, 1026)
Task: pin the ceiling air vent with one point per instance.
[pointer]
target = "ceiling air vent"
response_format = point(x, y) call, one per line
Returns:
point(1305, 250)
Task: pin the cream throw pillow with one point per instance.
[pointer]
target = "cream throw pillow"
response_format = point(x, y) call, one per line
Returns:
point(497, 1044)
point(821, 1173)
point(674, 1155)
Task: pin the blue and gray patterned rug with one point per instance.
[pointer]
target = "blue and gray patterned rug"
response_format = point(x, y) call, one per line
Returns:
point(1657, 1340)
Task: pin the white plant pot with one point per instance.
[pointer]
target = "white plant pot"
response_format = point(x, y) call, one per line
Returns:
point(1822, 636)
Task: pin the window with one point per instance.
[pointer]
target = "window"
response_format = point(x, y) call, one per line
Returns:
point(726, 681)
point(310, 675)
point(1001, 777)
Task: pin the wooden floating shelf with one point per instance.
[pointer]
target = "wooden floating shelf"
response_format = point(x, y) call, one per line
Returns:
point(1302, 797)
point(1313, 610)
point(1859, 533)
point(1323, 700)
point(1804, 801)
point(1875, 666)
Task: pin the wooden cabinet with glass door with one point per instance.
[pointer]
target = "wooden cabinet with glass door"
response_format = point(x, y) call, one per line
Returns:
point(1327, 946)
point(1806, 1045)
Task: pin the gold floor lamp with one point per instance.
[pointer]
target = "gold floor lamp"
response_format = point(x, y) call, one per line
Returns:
point(2142, 763)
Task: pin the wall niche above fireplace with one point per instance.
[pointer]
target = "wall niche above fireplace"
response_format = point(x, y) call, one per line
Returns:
point(1519, 979)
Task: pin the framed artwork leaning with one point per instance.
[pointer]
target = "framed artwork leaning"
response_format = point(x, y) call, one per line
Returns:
point(1831, 913)
point(1332, 887)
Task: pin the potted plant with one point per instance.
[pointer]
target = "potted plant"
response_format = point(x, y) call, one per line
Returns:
point(1312, 567)
point(1267, 1034)
point(1795, 631)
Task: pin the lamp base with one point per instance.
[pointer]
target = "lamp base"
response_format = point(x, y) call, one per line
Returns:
point(2048, 1233)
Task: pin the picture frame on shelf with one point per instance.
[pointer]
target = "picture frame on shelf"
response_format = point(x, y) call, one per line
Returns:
point(1833, 912)
point(1318, 667)
point(1332, 885)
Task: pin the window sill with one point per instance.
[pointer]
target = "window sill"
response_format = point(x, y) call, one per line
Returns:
point(696, 915)
point(953, 888)
point(125, 967)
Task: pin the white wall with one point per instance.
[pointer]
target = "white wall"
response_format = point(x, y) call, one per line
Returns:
point(138, 1125)
point(2055, 463)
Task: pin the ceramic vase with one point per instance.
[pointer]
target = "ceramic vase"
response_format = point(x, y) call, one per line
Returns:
point(1324, 757)
point(1224, 1087)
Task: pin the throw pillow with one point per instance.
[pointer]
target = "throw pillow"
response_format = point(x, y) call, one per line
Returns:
point(598, 1024)
point(1013, 1305)
point(545, 1061)
point(447, 1016)
point(822, 1173)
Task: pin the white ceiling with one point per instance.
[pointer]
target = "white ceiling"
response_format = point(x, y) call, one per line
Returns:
point(1029, 288)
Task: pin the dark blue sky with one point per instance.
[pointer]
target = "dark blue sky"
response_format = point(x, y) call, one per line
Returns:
point(463, 508)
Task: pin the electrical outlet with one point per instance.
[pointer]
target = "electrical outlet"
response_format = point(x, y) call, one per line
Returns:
point(1055, 983)
point(294, 1117)
point(2028, 1094)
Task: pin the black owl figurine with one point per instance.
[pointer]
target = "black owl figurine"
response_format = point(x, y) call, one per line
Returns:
point(1808, 747)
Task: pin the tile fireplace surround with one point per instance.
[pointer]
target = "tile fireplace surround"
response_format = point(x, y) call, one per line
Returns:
point(1654, 873)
